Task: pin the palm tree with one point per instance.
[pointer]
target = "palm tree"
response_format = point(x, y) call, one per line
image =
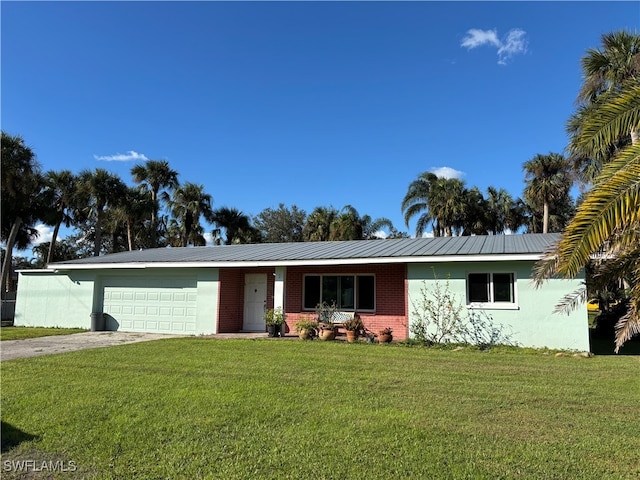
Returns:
point(349, 225)
point(188, 203)
point(22, 184)
point(155, 175)
point(517, 217)
point(605, 72)
point(62, 187)
point(439, 201)
point(607, 222)
point(447, 202)
point(475, 219)
point(416, 202)
point(499, 207)
point(318, 225)
point(548, 180)
point(237, 225)
point(100, 189)
point(131, 214)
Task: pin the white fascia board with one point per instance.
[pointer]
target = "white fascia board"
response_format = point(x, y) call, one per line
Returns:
point(298, 263)
point(36, 270)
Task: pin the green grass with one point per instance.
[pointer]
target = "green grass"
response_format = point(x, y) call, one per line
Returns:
point(19, 333)
point(238, 409)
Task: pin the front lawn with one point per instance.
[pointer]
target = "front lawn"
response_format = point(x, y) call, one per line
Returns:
point(237, 409)
point(19, 333)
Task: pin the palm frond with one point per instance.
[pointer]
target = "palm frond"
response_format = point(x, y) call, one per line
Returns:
point(602, 123)
point(614, 203)
point(572, 300)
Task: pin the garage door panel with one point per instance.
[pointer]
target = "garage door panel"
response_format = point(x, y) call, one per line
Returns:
point(165, 306)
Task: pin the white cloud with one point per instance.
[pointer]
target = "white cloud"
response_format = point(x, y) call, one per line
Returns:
point(209, 239)
point(513, 43)
point(447, 172)
point(122, 157)
point(45, 234)
point(477, 38)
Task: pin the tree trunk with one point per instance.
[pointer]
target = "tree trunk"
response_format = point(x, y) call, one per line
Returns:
point(545, 218)
point(154, 218)
point(53, 242)
point(8, 257)
point(98, 234)
point(129, 236)
point(635, 137)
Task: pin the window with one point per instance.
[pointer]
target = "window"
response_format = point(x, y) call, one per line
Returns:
point(349, 292)
point(494, 288)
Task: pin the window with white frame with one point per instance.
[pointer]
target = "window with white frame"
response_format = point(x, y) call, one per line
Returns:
point(491, 288)
point(348, 292)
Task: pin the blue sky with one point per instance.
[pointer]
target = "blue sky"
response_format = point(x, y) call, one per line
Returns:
point(305, 103)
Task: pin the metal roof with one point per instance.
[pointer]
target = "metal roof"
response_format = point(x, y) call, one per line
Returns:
point(475, 248)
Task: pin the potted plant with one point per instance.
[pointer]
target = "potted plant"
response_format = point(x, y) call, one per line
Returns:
point(306, 329)
point(354, 328)
point(385, 335)
point(327, 331)
point(326, 313)
point(274, 318)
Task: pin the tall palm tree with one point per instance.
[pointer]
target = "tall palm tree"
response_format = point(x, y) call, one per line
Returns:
point(607, 222)
point(605, 72)
point(447, 202)
point(517, 217)
point(155, 175)
point(100, 189)
point(132, 214)
point(318, 225)
point(236, 224)
point(416, 202)
point(439, 201)
point(22, 184)
point(188, 204)
point(499, 207)
point(548, 179)
point(62, 187)
point(475, 219)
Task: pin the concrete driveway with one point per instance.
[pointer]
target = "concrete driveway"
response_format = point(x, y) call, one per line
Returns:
point(33, 347)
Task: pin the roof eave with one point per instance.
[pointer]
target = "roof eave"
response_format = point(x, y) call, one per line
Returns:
point(298, 263)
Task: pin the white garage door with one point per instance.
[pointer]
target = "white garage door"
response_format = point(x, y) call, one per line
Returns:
point(151, 305)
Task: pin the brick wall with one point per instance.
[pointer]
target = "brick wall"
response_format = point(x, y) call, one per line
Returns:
point(391, 296)
point(231, 296)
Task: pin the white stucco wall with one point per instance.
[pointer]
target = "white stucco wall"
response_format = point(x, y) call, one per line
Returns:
point(48, 299)
point(532, 322)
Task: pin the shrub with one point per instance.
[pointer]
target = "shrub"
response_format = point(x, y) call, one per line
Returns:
point(439, 317)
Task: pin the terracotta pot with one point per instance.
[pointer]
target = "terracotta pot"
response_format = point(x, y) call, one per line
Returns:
point(385, 338)
point(327, 334)
point(306, 334)
point(352, 336)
